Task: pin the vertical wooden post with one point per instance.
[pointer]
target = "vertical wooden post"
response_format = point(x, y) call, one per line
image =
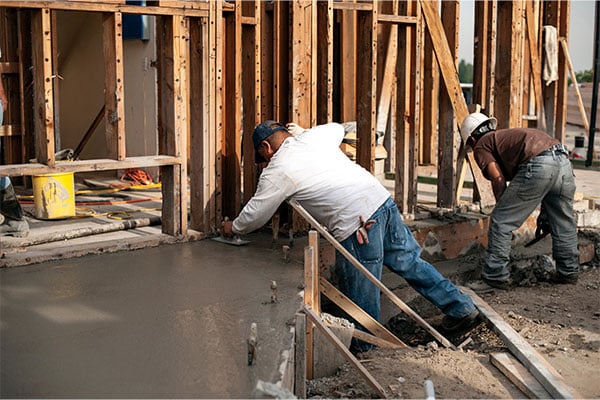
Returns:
point(198, 121)
point(250, 87)
point(281, 77)
point(112, 41)
point(232, 115)
point(406, 162)
point(366, 88)
point(536, 64)
point(174, 178)
point(484, 59)
point(562, 84)
point(324, 75)
point(300, 356)
point(509, 82)
point(348, 64)
point(430, 96)
point(313, 241)
point(309, 290)
point(43, 101)
point(302, 54)
point(550, 17)
point(448, 145)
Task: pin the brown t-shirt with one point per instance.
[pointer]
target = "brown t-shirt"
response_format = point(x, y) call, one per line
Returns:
point(510, 148)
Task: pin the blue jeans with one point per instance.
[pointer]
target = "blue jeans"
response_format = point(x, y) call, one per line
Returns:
point(547, 180)
point(391, 243)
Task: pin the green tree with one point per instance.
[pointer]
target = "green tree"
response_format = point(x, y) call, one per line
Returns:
point(465, 72)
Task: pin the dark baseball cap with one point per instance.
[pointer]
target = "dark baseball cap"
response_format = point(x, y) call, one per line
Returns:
point(261, 132)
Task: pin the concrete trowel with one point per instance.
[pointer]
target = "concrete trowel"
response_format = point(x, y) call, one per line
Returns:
point(235, 241)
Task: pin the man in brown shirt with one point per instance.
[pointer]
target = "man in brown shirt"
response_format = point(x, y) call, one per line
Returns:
point(539, 171)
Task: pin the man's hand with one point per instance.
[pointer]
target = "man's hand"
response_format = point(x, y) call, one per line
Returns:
point(294, 129)
point(227, 228)
point(543, 228)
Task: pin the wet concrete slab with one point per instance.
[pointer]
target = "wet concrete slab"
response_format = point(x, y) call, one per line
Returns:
point(170, 321)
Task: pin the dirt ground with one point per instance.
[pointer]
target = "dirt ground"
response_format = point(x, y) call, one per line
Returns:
point(562, 322)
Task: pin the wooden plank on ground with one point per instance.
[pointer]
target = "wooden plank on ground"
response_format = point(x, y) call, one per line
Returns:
point(359, 315)
point(520, 348)
point(518, 374)
point(345, 352)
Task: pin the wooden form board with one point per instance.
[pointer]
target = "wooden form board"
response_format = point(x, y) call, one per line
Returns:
point(518, 374)
point(525, 353)
point(314, 318)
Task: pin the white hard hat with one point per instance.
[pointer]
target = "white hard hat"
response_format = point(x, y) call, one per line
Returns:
point(477, 125)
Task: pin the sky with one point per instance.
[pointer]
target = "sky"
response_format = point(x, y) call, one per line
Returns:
point(581, 38)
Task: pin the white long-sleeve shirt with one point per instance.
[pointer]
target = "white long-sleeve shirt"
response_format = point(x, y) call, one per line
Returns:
point(312, 169)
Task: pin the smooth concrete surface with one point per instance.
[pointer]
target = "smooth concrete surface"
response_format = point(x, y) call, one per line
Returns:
point(165, 322)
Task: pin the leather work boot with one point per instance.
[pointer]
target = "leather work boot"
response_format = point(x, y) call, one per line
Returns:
point(13, 223)
point(12, 227)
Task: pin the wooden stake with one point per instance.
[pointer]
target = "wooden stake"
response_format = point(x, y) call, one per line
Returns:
point(345, 352)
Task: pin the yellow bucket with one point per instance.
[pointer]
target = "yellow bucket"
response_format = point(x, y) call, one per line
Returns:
point(53, 195)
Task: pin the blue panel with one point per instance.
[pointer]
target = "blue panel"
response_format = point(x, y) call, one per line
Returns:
point(135, 26)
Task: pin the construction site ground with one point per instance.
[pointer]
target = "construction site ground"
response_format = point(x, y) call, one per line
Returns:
point(172, 321)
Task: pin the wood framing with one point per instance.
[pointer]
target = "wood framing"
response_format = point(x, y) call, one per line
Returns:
point(224, 66)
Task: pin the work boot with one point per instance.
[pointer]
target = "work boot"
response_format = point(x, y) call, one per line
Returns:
point(562, 279)
point(12, 227)
point(12, 214)
point(9, 205)
point(452, 325)
point(488, 285)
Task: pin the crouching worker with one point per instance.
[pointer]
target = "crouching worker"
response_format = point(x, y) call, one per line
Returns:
point(540, 173)
point(355, 208)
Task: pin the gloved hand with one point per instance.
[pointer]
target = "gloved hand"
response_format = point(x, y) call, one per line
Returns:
point(294, 128)
point(543, 228)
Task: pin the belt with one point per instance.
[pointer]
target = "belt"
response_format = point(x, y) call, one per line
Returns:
point(557, 149)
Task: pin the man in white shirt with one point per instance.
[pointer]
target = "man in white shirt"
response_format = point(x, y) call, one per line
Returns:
point(355, 207)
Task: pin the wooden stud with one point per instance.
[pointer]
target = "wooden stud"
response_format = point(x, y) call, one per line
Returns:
point(232, 117)
point(430, 99)
point(550, 16)
point(300, 356)
point(447, 144)
point(43, 85)
point(198, 84)
point(536, 64)
point(112, 41)
point(313, 242)
point(562, 84)
point(347, 68)
point(309, 296)
point(366, 87)
point(324, 48)
point(406, 165)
